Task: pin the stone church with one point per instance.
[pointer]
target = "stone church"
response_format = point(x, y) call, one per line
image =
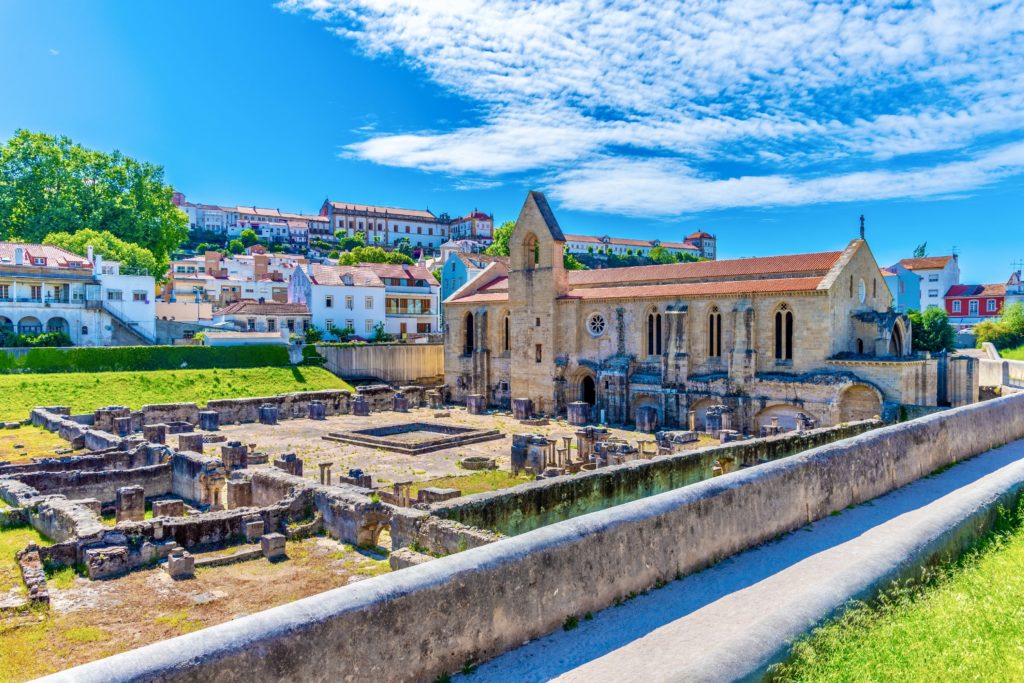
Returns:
point(771, 337)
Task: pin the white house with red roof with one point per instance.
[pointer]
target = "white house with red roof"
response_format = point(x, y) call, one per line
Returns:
point(48, 289)
point(938, 274)
point(339, 297)
point(699, 244)
point(412, 304)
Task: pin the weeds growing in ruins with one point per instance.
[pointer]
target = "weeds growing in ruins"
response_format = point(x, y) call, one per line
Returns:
point(959, 621)
point(571, 622)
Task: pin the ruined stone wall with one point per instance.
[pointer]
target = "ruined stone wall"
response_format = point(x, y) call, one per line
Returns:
point(194, 474)
point(294, 405)
point(169, 412)
point(102, 460)
point(101, 485)
point(539, 503)
point(520, 588)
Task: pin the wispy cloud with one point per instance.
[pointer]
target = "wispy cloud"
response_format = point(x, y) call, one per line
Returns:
point(789, 87)
point(54, 52)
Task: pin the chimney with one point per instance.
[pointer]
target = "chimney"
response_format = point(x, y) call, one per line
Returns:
point(19, 256)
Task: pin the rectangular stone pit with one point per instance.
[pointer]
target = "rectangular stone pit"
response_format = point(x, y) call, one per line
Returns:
point(413, 438)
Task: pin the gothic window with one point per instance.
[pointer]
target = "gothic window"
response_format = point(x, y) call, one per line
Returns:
point(783, 333)
point(468, 342)
point(715, 333)
point(506, 338)
point(596, 324)
point(531, 252)
point(654, 334)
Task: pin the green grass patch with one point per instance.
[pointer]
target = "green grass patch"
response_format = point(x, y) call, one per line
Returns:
point(476, 482)
point(27, 442)
point(61, 578)
point(179, 621)
point(85, 634)
point(963, 621)
point(12, 540)
point(84, 392)
point(1013, 354)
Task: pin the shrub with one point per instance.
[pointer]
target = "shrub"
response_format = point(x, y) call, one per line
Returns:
point(139, 358)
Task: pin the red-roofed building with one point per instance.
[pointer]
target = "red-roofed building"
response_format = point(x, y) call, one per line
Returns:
point(772, 341)
point(411, 298)
point(968, 305)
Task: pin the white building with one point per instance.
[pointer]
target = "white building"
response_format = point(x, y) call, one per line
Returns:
point(48, 289)
point(339, 296)
point(384, 225)
point(476, 225)
point(938, 274)
point(701, 244)
point(412, 298)
point(269, 316)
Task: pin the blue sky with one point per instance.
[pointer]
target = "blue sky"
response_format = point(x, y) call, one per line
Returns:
point(773, 125)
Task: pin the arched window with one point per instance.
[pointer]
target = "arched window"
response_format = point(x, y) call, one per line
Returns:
point(654, 334)
point(783, 333)
point(467, 340)
point(506, 339)
point(860, 347)
point(714, 333)
point(531, 252)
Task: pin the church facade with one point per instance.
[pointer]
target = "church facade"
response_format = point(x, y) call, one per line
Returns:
point(770, 337)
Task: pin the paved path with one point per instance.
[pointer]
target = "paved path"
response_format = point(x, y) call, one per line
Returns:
point(725, 622)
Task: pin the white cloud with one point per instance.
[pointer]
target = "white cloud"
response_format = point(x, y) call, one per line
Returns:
point(53, 52)
point(792, 84)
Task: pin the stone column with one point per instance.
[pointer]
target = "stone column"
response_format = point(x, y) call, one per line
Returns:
point(360, 406)
point(475, 404)
point(156, 433)
point(434, 399)
point(325, 473)
point(290, 463)
point(401, 403)
point(317, 410)
point(522, 408)
point(691, 420)
point(181, 564)
point(235, 455)
point(130, 504)
point(578, 413)
point(168, 508)
point(190, 442)
point(647, 419)
point(209, 420)
point(268, 414)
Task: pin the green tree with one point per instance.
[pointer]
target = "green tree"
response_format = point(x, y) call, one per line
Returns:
point(661, 255)
point(403, 246)
point(236, 246)
point(248, 237)
point(921, 250)
point(932, 331)
point(436, 272)
point(379, 335)
point(501, 236)
point(49, 182)
point(109, 247)
point(346, 243)
point(373, 255)
point(570, 261)
point(1005, 332)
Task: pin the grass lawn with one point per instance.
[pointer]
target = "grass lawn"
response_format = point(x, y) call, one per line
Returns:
point(966, 625)
point(87, 391)
point(11, 541)
point(1013, 354)
point(27, 442)
point(475, 482)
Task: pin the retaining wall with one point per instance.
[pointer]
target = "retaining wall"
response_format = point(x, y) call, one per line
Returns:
point(996, 373)
point(530, 506)
point(77, 484)
point(430, 618)
point(392, 363)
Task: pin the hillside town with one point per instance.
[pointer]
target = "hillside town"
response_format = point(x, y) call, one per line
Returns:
point(590, 342)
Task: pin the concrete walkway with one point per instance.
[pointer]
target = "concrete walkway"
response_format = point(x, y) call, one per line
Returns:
point(729, 621)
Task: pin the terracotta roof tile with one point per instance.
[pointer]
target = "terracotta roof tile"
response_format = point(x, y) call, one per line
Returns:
point(324, 274)
point(251, 307)
point(748, 267)
point(925, 263)
point(401, 270)
point(55, 256)
point(693, 289)
point(977, 290)
point(627, 242)
point(390, 211)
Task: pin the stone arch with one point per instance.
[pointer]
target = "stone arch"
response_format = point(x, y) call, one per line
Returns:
point(6, 323)
point(700, 408)
point(898, 339)
point(785, 413)
point(576, 380)
point(530, 252)
point(468, 334)
point(859, 402)
point(58, 324)
point(29, 325)
point(588, 390)
point(372, 522)
point(782, 327)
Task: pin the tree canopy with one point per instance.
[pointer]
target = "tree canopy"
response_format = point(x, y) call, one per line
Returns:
point(921, 250)
point(372, 255)
point(932, 331)
point(1005, 332)
point(501, 236)
point(51, 184)
point(110, 247)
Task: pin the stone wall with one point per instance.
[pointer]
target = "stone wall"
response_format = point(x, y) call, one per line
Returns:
point(101, 485)
point(523, 587)
point(994, 373)
point(169, 412)
point(535, 504)
point(294, 405)
point(391, 363)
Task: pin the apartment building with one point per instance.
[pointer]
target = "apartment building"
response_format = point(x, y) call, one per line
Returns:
point(339, 297)
point(699, 244)
point(383, 225)
point(266, 316)
point(476, 225)
point(938, 274)
point(412, 304)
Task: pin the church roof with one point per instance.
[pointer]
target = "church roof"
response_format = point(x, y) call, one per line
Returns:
point(687, 289)
point(547, 214)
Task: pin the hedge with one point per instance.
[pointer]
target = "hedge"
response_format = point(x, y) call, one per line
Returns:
point(129, 358)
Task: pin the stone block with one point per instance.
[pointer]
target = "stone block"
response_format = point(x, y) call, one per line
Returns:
point(434, 399)
point(360, 406)
point(130, 504)
point(168, 508)
point(94, 505)
point(254, 530)
point(476, 404)
point(522, 408)
point(317, 410)
point(578, 413)
point(407, 557)
point(122, 426)
point(209, 420)
point(155, 433)
point(191, 441)
point(268, 414)
point(180, 564)
point(235, 455)
point(106, 562)
point(273, 546)
point(239, 494)
point(433, 494)
point(401, 404)
point(647, 419)
point(290, 463)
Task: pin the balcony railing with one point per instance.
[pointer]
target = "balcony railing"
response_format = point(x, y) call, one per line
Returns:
point(38, 300)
